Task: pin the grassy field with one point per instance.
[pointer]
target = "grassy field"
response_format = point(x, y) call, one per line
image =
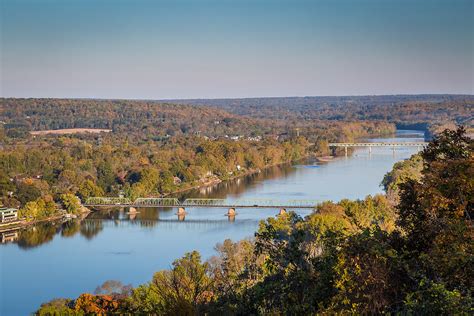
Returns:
point(71, 131)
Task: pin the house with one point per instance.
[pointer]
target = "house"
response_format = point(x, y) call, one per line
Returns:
point(8, 214)
point(176, 180)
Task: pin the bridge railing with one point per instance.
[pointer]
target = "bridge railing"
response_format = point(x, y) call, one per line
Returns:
point(108, 201)
point(173, 202)
point(157, 202)
point(269, 202)
point(394, 144)
point(204, 202)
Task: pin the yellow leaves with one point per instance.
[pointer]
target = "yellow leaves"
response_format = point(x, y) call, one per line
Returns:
point(143, 161)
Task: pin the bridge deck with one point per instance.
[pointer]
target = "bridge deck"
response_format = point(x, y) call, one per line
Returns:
point(393, 144)
point(197, 202)
point(204, 206)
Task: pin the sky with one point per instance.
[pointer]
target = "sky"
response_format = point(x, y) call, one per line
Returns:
point(166, 49)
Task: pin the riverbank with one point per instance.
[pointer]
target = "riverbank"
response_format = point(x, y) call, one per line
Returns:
point(62, 215)
point(240, 175)
point(24, 223)
point(108, 246)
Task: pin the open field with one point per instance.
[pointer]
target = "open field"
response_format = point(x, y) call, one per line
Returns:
point(70, 131)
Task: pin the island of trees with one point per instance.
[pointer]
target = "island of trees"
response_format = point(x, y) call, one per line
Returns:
point(410, 252)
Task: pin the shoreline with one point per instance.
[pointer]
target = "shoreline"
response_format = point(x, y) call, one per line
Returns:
point(23, 223)
point(86, 211)
point(319, 158)
point(235, 177)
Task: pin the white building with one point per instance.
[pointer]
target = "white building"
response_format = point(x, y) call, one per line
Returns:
point(8, 214)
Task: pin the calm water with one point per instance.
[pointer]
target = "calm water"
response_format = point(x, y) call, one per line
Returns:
point(64, 260)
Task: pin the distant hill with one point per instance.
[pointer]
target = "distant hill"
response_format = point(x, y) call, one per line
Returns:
point(421, 111)
point(125, 117)
point(244, 117)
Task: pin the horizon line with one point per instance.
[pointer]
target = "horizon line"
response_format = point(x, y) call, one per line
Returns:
point(246, 98)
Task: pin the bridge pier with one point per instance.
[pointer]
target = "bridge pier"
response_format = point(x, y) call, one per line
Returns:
point(181, 214)
point(231, 214)
point(370, 150)
point(345, 151)
point(132, 212)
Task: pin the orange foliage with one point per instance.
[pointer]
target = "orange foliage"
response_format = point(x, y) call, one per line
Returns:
point(96, 304)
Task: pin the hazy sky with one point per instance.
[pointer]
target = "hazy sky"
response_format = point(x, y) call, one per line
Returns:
point(235, 48)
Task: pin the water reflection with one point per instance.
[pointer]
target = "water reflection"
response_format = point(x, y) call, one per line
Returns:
point(70, 228)
point(239, 186)
point(9, 236)
point(37, 235)
point(90, 228)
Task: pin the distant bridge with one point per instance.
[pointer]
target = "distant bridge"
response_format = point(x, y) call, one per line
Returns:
point(392, 145)
point(194, 202)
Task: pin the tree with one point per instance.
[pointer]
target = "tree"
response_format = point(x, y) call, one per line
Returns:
point(367, 278)
point(57, 307)
point(89, 189)
point(445, 194)
point(5, 185)
point(400, 173)
point(27, 192)
point(105, 176)
point(70, 202)
point(97, 304)
point(186, 288)
point(434, 215)
point(114, 288)
point(38, 209)
point(434, 299)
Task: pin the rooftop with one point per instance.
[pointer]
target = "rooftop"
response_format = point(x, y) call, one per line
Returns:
point(7, 209)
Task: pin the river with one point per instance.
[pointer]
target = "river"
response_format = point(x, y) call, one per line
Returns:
point(63, 260)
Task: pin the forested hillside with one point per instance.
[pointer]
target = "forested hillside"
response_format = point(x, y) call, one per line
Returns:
point(363, 257)
point(154, 120)
point(154, 149)
point(136, 118)
point(420, 111)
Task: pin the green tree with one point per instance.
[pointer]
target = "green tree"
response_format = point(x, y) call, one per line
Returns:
point(105, 176)
point(367, 279)
point(89, 189)
point(71, 203)
point(186, 288)
point(57, 307)
point(400, 173)
point(434, 299)
point(27, 192)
